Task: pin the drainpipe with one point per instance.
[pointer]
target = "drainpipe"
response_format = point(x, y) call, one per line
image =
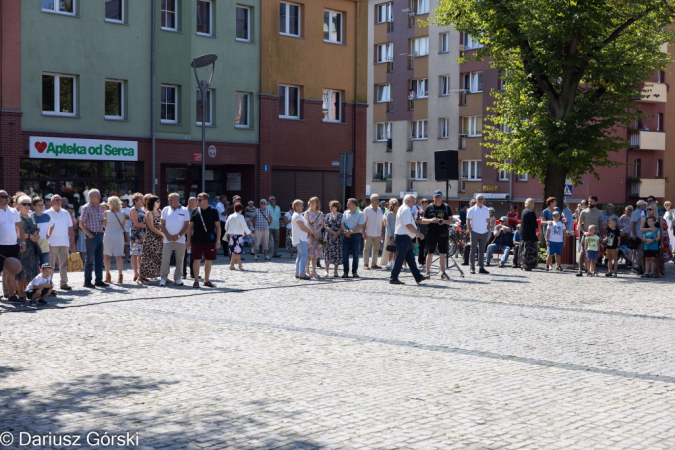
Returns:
point(152, 94)
point(511, 184)
point(357, 6)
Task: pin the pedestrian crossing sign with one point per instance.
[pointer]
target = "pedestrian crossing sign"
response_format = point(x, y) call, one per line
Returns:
point(568, 190)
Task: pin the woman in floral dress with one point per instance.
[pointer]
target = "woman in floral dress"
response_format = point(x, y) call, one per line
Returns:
point(314, 217)
point(152, 245)
point(333, 251)
point(137, 235)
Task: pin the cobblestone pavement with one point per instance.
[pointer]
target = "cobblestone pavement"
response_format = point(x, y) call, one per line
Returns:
point(502, 361)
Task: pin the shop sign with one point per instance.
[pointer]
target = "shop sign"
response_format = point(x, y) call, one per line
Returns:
point(490, 188)
point(212, 151)
point(197, 157)
point(88, 149)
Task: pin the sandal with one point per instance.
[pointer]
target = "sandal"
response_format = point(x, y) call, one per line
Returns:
point(195, 284)
point(241, 267)
point(209, 284)
point(231, 267)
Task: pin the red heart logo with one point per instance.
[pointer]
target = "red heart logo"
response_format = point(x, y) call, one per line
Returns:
point(40, 146)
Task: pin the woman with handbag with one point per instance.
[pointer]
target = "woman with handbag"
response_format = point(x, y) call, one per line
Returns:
point(332, 224)
point(114, 238)
point(30, 257)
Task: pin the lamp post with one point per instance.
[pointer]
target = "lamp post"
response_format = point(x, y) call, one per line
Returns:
point(204, 85)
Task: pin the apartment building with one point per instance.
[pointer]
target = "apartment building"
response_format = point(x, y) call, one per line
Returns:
point(77, 96)
point(412, 78)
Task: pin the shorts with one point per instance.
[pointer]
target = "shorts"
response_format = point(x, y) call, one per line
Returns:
point(206, 251)
point(592, 255)
point(434, 240)
point(8, 251)
point(555, 248)
point(30, 292)
point(651, 253)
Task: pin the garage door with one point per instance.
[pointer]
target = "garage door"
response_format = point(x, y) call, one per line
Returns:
point(287, 185)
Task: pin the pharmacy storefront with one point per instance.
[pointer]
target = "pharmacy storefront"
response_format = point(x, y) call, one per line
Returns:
point(70, 166)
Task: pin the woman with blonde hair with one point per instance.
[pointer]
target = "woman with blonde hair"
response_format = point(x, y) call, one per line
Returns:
point(314, 217)
point(663, 244)
point(301, 232)
point(113, 237)
point(137, 235)
point(388, 257)
point(332, 225)
point(152, 245)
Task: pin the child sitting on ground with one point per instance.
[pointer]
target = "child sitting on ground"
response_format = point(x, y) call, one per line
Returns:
point(41, 287)
point(592, 249)
point(650, 238)
point(613, 241)
point(555, 233)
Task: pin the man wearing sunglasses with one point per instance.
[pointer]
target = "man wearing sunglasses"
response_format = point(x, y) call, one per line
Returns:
point(478, 223)
point(12, 241)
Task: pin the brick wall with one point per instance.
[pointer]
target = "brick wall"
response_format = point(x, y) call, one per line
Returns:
point(11, 150)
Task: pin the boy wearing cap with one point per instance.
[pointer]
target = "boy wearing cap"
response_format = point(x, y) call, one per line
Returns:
point(555, 233)
point(41, 286)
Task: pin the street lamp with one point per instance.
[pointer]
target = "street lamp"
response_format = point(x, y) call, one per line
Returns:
point(203, 85)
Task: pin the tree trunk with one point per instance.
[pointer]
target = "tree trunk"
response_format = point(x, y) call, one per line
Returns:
point(555, 182)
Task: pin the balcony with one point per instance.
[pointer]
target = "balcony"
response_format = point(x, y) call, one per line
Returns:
point(654, 93)
point(653, 186)
point(648, 140)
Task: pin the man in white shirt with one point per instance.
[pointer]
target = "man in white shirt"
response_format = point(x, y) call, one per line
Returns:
point(174, 224)
point(61, 236)
point(373, 231)
point(12, 241)
point(406, 231)
point(478, 223)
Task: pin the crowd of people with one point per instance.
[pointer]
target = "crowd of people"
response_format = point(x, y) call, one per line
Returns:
point(42, 232)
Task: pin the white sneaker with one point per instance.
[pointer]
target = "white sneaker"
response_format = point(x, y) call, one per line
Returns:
point(267, 258)
point(162, 282)
point(255, 257)
point(178, 282)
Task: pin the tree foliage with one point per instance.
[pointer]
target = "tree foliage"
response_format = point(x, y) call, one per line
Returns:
point(571, 71)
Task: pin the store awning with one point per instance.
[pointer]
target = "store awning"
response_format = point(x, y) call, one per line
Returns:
point(493, 196)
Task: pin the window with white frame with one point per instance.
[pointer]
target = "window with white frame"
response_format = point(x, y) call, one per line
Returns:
point(419, 46)
point(444, 43)
point(208, 108)
point(243, 17)
point(383, 93)
point(384, 13)
point(169, 15)
point(383, 131)
point(169, 101)
point(289, 101)
point(472, 125)
point(419, 6)
point(114, 99)
point(58, 94)
point(418, 170)
point(59, 6)
point(332, 27)
point(382, 171)
point(472, 170)
point(418, 129)
point(114, 11)
point(385, 52)
point(473, 82)
point(289, 19)
point(204, 17)
point(332, 105)
point(504, 174)
point(242, 117)
point(444, 128)
point(444, 83)
point(469, 42)
point(419, 88)
point(502, 82)
point(504, 128)
point(522, 177)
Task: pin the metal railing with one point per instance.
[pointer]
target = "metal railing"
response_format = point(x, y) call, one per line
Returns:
point(635, 188)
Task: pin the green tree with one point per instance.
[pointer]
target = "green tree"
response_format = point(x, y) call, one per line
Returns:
point(571, 69)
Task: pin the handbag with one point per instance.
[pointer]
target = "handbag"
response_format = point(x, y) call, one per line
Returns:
point(634, 244)
point(392, 248)
point(75, 263)
point(126, 236)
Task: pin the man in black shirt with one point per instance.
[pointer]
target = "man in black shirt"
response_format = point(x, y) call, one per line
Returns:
point(203, 237)
point(437, 217)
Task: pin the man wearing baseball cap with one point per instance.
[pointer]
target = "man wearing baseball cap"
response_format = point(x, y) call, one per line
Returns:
point(438, 217)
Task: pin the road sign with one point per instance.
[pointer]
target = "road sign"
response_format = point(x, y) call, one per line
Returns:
point(266, 168)
point(346, 168)
point(568, 190)
point(212, 151)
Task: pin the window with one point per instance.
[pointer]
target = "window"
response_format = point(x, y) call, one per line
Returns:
point(637, 164)
point(418, 170)
point(382, 171)
point(659, 122)
point(502, 81)
point(170, 15)
point(418, 129)
point(59, 6)
point(385, 52)
point(383, 131)
point(419, 6)
point(243, 23)
point(419, 46)
point(289, 19)
point(504, 128)
point(469, 42)
point(659, 168)
point(169, 99)
point(472, 170)
point(289, 102)
point(419, 88)
point(204, 13)
point(444, 128)
point(472, 125)
point(332, 106)
point(241, 114)
point(660, 76)
point(208, 108)
point(444, 43)
point(332, 27)
point(504, 174)
point(384, 13)
point(58, 94)
point(383, 93)
point(444, 83)
point(114, 10)
point(473, 82)
point(522, 177)
point(114, 99)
